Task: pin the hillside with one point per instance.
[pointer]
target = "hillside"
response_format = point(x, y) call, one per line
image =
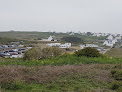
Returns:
point(115, 52)
point(6, 40)
point(63, 73)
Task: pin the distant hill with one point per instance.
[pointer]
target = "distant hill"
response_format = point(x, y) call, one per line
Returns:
point(33, 36)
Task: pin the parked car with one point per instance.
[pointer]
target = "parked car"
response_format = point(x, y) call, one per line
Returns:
point(7, 51)
point(16, 56)
point(11, 50)
point(15, 50)
point(13, 53)
point(7, 54)
point(2, 54)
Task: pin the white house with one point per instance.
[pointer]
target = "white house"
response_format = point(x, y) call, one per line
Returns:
point(88, 45)
point(109, 43)
point(99, 34)
point(91, 45)
point(82, 46)
point(66, 45)
point(118, 37)
point(111, 40)
point(72, 33)
point(51, 38)
point(53, 44)
point(110, 37)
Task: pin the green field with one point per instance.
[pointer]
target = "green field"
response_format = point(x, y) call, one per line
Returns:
point(63, 60)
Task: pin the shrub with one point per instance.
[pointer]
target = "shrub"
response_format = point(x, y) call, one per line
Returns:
point(33, 53)
point(89, 52)
point(117, 74)
point(119, 66)
point(72, 39)
point(12, 85)
point(37, 53)
point(116, 85)
point(50, 52)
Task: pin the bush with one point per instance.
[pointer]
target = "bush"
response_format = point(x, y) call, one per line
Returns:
point(50, 52)
point(34, 53)
point(116, 85)
point(117, 74)
point(12, 85)
point(72, 39)
point(38, 53)
point(89, 52)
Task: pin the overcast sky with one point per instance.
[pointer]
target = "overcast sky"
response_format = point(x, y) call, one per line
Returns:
point(61, 15)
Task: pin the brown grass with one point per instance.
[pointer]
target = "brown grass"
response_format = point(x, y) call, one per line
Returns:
point(115, 52)
point(43, 74)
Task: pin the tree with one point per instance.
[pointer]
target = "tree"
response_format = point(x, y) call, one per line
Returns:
point(34, 53)
point(88, 52)
point(37, 53)
point(72, 39)
point(89, 33)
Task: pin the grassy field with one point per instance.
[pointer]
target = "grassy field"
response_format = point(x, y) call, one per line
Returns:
point(65, 59)
point(66, 78)
point(65, 73)
point(30, 35)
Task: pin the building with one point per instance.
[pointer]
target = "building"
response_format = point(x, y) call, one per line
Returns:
point(109, 43)
point(66, 45)
point(110, 37)
point(53, 44)
point(88, 45)
point(91, 45)
point(50, 38)
point(82, 46)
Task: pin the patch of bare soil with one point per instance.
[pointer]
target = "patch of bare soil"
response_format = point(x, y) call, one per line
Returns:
point(43, 74)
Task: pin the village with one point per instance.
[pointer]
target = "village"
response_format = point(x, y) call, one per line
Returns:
point(16, 50)
point(60, 45)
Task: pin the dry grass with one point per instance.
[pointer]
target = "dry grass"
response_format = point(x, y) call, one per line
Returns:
point(115, 52)
point(44, 74)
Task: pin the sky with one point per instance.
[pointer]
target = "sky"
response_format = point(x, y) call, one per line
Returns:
point(61, 15)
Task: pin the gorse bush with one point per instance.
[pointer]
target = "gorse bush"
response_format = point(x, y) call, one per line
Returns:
point(116, 85)
point(12, 85)
point(38, 53)
point(50, 52)
point(88, 52)
point(117, 74)
point(34, 53)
